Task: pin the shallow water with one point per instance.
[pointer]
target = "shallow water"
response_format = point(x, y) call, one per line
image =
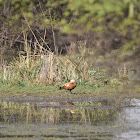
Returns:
point(99, 119)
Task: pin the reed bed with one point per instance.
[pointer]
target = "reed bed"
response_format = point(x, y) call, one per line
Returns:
point(42, 67)
point(38, 65)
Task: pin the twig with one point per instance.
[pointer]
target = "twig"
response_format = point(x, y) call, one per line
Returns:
point(54, 41)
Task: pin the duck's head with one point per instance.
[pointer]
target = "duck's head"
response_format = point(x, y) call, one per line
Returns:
point(72, 81)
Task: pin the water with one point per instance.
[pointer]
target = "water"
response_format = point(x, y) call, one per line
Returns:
point(97, 119)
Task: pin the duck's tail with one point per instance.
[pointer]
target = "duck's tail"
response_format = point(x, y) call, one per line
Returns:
point(60, 88)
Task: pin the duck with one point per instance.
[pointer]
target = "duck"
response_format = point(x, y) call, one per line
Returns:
point(69, 86)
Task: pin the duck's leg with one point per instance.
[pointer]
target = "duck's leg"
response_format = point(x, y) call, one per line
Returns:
point(70, 92)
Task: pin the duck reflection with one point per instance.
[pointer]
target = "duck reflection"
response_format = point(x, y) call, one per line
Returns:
point(69, 105)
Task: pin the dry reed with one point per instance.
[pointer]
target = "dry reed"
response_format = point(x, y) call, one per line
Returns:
point(44, 67)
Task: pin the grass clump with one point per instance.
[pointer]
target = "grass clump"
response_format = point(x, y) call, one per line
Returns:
point(41, 68)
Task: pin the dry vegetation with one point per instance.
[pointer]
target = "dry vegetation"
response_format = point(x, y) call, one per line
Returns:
point(34, 66)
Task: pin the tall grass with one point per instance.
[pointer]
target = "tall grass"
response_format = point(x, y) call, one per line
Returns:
point(39, 66)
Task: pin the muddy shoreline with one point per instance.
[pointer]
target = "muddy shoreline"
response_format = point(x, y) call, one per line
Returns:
point(64, 98)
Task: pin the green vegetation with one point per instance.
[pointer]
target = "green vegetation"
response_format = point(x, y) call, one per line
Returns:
point(81, 91)
point(77, 17)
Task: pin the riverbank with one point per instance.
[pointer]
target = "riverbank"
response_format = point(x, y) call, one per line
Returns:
point(81, 91)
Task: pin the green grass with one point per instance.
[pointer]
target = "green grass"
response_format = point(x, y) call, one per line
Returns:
point(26, 88)
point(81, 91)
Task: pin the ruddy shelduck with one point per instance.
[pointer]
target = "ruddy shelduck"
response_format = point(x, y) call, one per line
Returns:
point(69, 86)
